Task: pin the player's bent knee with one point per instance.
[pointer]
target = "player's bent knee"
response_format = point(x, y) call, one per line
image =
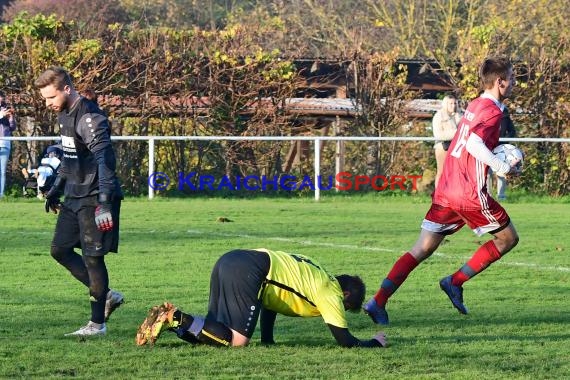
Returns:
point(506, 239)
point(93, 261)
point(239, 340)
point(60, 254)
point(98, 284)
point(515, 241)
point(511, 240)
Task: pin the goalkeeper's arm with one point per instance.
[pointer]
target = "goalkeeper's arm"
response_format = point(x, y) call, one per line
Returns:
point(346, 339)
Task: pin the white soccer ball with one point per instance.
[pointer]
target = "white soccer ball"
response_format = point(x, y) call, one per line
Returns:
point(510, 153)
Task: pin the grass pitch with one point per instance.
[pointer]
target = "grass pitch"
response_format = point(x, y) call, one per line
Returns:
point(519, 308)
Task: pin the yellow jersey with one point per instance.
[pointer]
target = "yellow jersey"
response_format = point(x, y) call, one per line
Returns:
point(298, 286)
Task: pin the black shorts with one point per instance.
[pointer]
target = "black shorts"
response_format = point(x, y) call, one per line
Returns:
point(235, 286)
point(76, 227)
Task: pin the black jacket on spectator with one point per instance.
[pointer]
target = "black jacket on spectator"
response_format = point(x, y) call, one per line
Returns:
point(507, 126)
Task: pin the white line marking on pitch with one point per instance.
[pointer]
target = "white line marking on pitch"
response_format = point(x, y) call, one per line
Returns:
point(332, 245)
point(289, 240)
point(373, 249)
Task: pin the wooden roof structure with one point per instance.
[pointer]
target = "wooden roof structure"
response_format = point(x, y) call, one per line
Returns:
point(306, 107)
point(325, 92)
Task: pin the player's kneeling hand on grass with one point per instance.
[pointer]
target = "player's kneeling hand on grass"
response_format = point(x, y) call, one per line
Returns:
point(381, 338)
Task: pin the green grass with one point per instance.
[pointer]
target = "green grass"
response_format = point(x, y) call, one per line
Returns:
point(519, 308)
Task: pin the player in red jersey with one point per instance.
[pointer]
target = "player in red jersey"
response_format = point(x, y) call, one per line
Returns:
point(461, 196)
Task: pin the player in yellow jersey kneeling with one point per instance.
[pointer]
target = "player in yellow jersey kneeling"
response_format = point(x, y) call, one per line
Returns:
point(247, 284)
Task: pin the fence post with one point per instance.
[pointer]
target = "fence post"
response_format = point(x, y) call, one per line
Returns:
point(317, 168)
point(150, 166)
point(339, 154)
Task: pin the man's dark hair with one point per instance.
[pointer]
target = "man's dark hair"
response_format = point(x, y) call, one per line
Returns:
point(492, 68)
point(56, 76)
point(355, 286)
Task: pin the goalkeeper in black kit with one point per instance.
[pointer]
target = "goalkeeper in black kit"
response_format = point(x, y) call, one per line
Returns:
point(89, 216)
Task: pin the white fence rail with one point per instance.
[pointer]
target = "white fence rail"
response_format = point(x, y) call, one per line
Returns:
point(315, 139)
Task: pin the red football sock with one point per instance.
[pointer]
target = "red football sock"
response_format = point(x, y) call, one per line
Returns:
point(400, 271)
point(481, 259)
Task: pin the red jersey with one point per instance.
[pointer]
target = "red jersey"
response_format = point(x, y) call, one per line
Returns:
point(463, 183)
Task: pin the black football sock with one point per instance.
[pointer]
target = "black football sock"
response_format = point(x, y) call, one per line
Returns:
point(196, 329)
point(188, 337)
point(211, 332)
point(98, 286)
point(184, 322)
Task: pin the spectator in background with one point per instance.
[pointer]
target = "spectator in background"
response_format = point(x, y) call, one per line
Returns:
point(7, 126)
point(444, 125)
point(507, 130)
point(43, 177)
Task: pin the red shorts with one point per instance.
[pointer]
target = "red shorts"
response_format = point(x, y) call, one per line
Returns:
point(446, 220)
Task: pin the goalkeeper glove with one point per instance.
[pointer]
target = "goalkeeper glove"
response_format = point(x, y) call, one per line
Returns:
point(103, 216)
point(52, 201)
